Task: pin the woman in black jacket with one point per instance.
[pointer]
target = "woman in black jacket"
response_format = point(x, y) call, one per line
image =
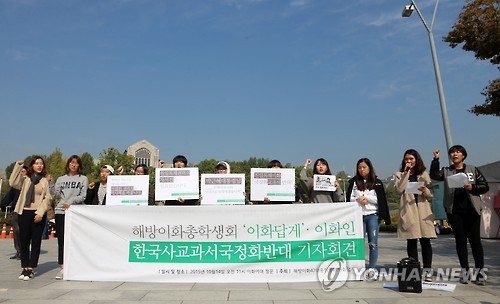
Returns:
point(463, 207)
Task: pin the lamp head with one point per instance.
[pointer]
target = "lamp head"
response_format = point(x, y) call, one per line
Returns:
point(407, 10)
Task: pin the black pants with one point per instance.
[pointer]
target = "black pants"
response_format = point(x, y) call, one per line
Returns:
point(60, 237)
point(17, 236)
point(425, 243)
point(467, 226)
point(31, 234)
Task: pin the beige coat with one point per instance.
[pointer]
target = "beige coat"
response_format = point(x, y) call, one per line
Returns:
point(415, 221)
point(22, 183)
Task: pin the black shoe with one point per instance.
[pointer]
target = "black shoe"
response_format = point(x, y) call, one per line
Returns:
point(480, 280)
point(29, 275)
point(15, 257)
point(24, 273)
point(465, 276)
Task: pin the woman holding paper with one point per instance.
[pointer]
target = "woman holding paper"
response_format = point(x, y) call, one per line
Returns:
point(368, 191)
point(463, 206)
point(321, 167)
point(275, 164)
point(416, 221)
point(72, 190)
point(180, 161)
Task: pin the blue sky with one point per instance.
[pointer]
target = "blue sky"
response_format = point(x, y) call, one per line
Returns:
point(234, 79)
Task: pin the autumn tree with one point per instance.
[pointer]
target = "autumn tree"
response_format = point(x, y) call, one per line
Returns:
point(478, 30)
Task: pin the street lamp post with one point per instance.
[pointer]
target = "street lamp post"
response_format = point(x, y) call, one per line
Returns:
point(444, 113)
point(343, 180)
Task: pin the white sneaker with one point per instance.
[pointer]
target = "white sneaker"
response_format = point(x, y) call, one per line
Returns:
point(465, 276)
point(371, 274)
point(29, 275)
point(60, 274)
point(21, 277)
point(427, 274)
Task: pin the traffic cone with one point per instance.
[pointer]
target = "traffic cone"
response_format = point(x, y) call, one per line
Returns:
point(11, 233)
point(4, 231)
point(52, 233)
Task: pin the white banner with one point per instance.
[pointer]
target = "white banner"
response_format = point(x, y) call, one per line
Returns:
point(275, 184)
point(223, 189)
point(174, 183)
point(324, 182)
point(228, 243)
point(127, 190)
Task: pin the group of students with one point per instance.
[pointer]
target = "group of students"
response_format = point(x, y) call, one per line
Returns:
point(415, 224)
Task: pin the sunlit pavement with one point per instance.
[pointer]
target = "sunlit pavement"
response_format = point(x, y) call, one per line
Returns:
point(44, 288)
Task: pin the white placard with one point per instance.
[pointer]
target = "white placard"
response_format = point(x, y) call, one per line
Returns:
point(127, 190)
point(229, 243)
point(427, 285)
point(275, 184)
point(412, 187)
point(223, 189)
point(457, 180)
point(324, 182)
point(174, 183)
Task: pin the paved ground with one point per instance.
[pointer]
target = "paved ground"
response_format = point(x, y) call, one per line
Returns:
point(45, 289)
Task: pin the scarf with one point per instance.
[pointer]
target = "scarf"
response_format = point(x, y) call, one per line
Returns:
point(30, 195)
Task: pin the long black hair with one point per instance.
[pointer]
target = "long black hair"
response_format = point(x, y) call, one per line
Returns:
point(30, 171)
point(370, 180)
point(324, 162)
point(419, 163)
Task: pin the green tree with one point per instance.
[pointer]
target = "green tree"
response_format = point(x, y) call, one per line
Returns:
point(8, 170)
point(343, 180)
point(56, 165)
point(114, 158)
point(478, 29)
point(393, 198)
point(152, 179)
point(207, 166)
point(492, 103)
point(88, 166)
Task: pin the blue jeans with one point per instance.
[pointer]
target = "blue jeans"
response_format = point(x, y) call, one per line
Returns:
point(371, 226)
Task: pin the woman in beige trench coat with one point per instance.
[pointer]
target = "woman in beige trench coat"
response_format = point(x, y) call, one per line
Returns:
point(416, 221)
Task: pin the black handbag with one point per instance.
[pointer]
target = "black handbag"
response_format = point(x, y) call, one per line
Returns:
point(409, 275)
